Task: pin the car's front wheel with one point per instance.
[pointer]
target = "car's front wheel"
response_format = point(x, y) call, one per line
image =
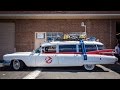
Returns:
point(17, 64)
point(89, 66)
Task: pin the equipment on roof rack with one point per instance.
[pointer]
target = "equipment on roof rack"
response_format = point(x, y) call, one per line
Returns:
point(77, 39)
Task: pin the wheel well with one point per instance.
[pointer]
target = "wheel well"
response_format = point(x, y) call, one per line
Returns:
point(19, 60)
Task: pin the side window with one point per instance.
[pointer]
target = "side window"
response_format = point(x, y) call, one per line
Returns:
point(100, 47)
point(49, 49)
point(90, 48)
point(80, 48)
point(67, 48)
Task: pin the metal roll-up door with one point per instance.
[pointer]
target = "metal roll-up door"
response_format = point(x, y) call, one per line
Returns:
point(7, 38)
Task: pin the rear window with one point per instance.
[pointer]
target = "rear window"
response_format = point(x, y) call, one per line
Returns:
point(67, 48)
point(90, 48)
point(100, 47)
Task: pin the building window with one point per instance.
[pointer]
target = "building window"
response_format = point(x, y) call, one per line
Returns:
point(53, 36)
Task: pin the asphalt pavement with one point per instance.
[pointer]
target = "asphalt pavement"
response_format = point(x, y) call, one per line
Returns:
point(100, 72)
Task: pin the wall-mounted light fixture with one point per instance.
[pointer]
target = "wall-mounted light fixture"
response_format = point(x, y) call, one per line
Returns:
point(83, 25)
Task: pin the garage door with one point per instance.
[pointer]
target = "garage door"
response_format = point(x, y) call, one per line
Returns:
point(7, 38)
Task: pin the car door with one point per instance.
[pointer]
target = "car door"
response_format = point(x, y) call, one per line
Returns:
point(32, 59)
point(46, 60)
point(67, 55)
point(67, 60)
point(81, 58)
point(48, 57)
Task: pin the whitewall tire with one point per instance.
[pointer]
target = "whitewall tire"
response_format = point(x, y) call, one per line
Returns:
point(17, 64)
point(89, 66)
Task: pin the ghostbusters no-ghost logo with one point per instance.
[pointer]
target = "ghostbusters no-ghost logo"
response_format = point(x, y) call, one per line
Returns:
point(48, 59)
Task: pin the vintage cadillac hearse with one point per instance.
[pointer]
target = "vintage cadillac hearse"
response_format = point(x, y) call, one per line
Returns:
point(62, 54)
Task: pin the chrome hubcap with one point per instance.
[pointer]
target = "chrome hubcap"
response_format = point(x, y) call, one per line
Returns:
point(16, 64)
point(89, 66)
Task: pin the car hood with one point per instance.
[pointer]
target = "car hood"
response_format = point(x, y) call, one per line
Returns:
point(18, 54)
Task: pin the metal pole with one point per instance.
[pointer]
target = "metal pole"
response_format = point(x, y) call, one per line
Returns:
point(85, 30)
point(110, 34)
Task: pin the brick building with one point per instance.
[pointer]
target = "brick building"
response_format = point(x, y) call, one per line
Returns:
point(18, 28)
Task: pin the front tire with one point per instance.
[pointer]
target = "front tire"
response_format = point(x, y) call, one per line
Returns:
point(17, 65)
point(89, 67)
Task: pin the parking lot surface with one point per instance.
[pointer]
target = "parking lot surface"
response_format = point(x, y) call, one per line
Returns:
point(100, 72)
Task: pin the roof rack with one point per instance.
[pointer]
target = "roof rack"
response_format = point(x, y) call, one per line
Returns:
point(77, 39)
point(68, 39)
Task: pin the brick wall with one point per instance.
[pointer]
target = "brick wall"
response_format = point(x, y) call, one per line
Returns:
point(104, 30)
point(25, 29)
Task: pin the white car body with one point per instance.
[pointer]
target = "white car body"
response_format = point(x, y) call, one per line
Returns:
point(57, 59)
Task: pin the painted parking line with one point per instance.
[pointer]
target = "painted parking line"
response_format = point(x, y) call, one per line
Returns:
point(33, 74)
point(104, 68)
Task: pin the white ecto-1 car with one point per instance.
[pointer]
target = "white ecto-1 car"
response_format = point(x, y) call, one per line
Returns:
point(62, 54)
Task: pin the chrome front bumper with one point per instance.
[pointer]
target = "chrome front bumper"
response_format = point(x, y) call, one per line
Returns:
point(1, 63)
point(4, 63)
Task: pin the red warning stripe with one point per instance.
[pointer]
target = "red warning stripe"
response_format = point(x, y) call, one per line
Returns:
point(98, 52)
